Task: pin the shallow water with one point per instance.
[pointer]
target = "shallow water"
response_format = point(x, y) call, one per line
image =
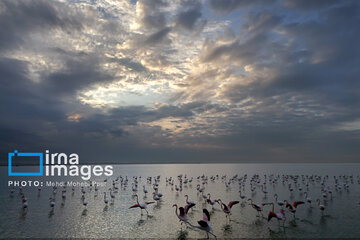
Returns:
point(70, 218)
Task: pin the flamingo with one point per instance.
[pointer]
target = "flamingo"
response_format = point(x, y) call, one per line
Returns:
point(52, 202)
point(308, 199)
point(227, 208)
point(156, 197)
point(85, 203)
point(280, 203)
point(159, 194)
point(141, 205)
point(292, 208)
point(144, 189)
point(211, 202)
point(187, 200)
point(24, 202)
point(204, 224)
point(134, 189)
point(264, 190)
point(204, 196)
point(112, 195)
point(279, 216)
point(241, 195)
point(321, 206)
point(105, 199)
point(258, 207)
point(183, 213)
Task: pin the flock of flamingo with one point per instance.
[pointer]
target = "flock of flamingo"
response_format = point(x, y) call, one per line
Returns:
point(254, 184)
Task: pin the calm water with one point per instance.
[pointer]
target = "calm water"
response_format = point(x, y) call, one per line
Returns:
point(70, 218)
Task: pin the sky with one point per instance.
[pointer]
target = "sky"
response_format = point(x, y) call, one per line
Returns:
point(156, 81)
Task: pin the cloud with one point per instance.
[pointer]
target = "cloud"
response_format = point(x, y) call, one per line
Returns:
point(188, 19)
point(151, 14)
point(157, 37)
point(77, 74)
point(20, 18)
point(231, 5)
point(309, 5)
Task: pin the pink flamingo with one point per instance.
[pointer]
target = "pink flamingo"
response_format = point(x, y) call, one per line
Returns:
point(183, 213)
point(227, 208)
point(204, 224)
point(279, 216)
point(258, 207)
point(292, 208)
point(141, 205)
point(211, 202)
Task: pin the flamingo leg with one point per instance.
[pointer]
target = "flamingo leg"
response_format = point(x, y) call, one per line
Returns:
point(213, 234)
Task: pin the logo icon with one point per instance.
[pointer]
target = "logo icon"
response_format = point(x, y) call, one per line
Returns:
point(19, 154)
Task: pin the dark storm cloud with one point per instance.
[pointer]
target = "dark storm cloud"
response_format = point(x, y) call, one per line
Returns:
point(190, 16)
point(25, 112)
point(325, 40)
point(153, 16)
point(134, 114)
point(231, 5)
point(262, 22)
point(127, 62)
point(19, 18)
point(238, 51)
point(157, 37)
point(335, 75)
point(188, 19)
point(77, 74)
point(20, 96)
point(154, 21)
point(154, 5)
point(309, 5)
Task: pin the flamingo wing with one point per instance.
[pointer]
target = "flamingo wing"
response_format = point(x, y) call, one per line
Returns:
point(187, 207)
point(298, 203)
point(147, 203)
point(271, 215)
point(135, 206)
point(182, 212)
point(232, 203)
point(256, 207)
point(203, 223)
point(224, 207)
point(289, 206)
point(206, 215)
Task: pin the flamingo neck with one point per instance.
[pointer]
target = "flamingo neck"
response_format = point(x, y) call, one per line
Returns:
point(176, 210)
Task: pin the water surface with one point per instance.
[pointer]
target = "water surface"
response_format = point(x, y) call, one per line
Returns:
point(70, 218)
